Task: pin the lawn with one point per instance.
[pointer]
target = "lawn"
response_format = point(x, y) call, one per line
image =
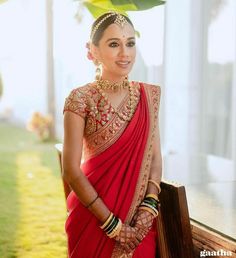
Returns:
point(32, 207)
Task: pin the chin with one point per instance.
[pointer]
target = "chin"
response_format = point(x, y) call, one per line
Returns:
point(124, 73)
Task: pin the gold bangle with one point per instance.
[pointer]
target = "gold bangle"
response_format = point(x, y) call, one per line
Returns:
point(154, 196)
point(150, 207)
point(156, 184)
point(115, 232)
point(149, 210)
point(119, 229)
point(107, 221)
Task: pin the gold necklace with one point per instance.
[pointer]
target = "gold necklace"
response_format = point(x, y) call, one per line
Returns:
point(107, 85)
point(131, 102)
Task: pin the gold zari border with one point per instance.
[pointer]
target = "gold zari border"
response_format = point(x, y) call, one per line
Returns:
point(153, 99)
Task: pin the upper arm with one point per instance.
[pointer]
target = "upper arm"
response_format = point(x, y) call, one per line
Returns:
point(74, 124)
point(76, 103)
point(73, 139)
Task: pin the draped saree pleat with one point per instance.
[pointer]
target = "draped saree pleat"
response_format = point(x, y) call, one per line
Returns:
point(114, 173)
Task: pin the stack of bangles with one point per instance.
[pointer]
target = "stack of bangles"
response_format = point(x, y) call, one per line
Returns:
point(112, 226)
point(151, 202)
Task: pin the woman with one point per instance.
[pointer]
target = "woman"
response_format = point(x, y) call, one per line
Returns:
point(112, 122)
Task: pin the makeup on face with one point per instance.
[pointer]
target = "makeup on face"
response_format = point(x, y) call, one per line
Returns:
point(117, 50)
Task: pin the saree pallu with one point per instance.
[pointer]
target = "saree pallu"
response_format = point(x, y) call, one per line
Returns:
point(119, 174)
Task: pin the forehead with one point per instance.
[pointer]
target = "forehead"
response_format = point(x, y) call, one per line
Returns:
point(115, 31)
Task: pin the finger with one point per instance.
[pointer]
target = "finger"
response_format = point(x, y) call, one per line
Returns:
point(132, 245)
point(117, 238)
point(127, 248)
point(140, 233)
point(137, 241)
point(141, 230)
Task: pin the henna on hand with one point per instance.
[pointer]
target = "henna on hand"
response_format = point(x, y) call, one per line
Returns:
point(142, 222)
point(129, 238)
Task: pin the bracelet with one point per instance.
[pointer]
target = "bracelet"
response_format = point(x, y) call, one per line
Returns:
point(149, 206)
point(107, 221)
point(116, 231)
point(92, 202)
point(152, 200)
point(156, 184)
point(149, 210)
point(112, 226)
point(154, 196)
point(153, 204)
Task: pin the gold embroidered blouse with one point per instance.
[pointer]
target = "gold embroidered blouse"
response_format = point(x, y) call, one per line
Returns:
point(102, 126)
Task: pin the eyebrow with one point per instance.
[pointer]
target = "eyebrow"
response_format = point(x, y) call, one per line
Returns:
point(119, 39)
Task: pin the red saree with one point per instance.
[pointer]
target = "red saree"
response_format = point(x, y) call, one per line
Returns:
point(119, 174)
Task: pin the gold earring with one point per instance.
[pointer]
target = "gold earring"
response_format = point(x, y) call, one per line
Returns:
point(98, 71)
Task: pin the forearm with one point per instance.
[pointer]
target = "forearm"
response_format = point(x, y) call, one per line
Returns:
point(156, 164)
point(86, 193)
point(155, 175)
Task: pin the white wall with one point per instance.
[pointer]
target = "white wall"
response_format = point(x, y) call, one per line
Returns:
point(177, 68)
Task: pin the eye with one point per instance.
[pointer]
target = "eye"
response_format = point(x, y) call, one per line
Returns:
point(131, 43)
point(113, 44)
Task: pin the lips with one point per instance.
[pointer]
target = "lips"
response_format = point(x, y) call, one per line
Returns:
point(123, 64)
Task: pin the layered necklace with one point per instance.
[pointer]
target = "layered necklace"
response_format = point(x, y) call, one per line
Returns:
point(107, 85)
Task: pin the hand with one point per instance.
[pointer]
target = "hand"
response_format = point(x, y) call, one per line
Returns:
point(142, 222)
point(129, 238)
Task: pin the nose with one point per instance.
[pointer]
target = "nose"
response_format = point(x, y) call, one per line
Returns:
point(124, 50)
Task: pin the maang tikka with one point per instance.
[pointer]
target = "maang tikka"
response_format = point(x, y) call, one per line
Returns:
point(120, 21)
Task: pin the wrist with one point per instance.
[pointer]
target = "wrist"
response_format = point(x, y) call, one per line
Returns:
point(150, 204)
point(154, 186)
point(112, 226)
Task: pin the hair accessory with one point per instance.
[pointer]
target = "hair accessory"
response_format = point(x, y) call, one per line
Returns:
point(120, 21)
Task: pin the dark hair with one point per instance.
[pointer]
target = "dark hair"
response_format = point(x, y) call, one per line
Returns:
point(102, 27)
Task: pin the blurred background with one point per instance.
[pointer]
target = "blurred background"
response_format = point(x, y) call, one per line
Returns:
point(187, 47)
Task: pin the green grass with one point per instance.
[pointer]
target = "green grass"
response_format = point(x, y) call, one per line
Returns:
point(32, 206)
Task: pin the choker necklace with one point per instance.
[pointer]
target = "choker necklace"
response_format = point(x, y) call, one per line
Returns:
point(132, 99)
point(107, 85)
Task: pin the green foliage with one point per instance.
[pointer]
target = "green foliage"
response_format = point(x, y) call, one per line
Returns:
point(2, 1)
point(139, 5)
point(98, 7)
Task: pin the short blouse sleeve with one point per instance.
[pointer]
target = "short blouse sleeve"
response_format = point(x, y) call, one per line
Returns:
point(76, 102)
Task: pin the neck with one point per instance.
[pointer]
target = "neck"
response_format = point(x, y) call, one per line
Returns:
point(112, 78)
point(114, 86)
